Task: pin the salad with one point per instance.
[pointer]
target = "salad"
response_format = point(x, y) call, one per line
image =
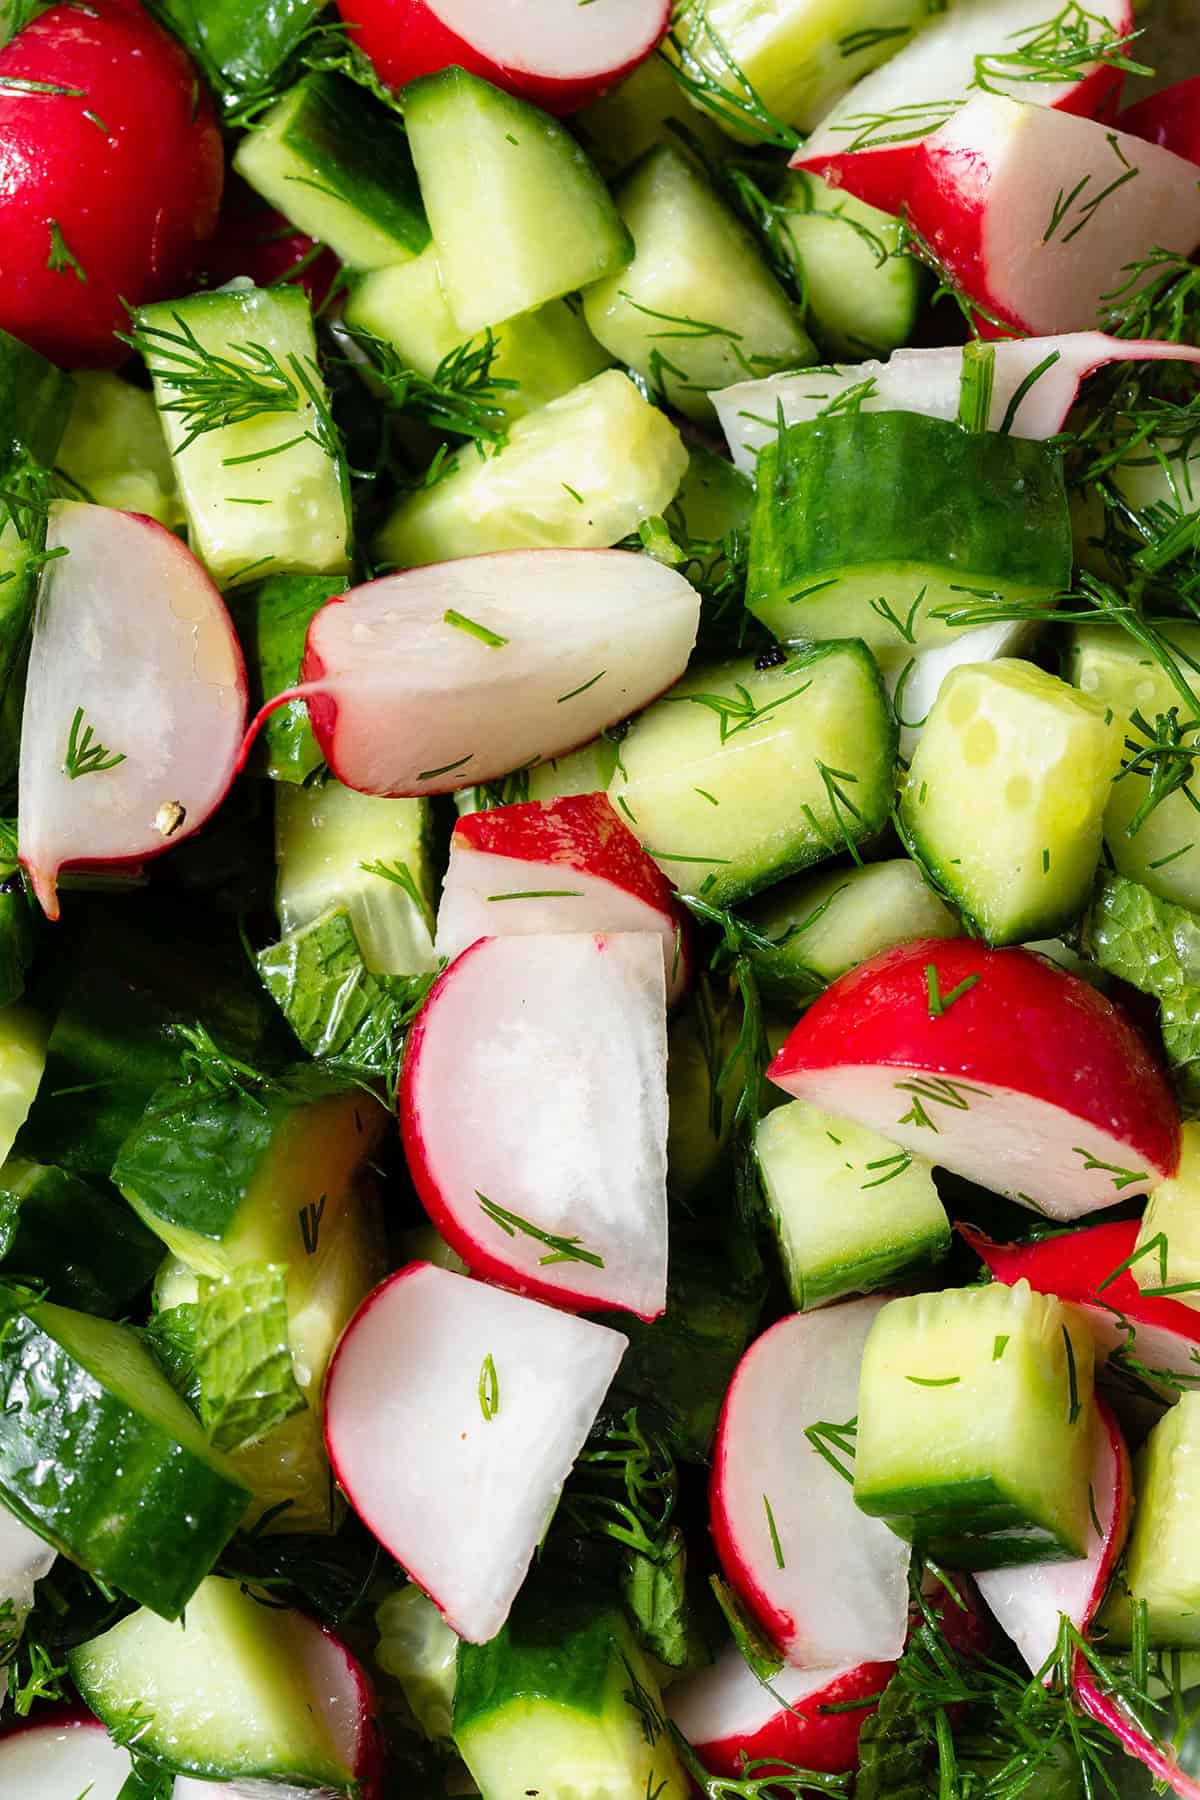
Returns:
point(599, 900)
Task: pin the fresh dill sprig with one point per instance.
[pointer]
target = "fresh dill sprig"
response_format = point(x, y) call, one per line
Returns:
point(463, 396)
point(626, 1488)
point(560, 1249)
point(85, 754)
point(211, 389)
point(1059, 50)
point(708, 72)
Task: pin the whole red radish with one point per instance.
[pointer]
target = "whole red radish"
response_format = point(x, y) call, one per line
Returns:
point(1170, 118)
point(560, 56)
point(110, 176)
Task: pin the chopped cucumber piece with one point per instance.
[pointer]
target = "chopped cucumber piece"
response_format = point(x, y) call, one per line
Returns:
point(335, 847)
point(1168, 1244)
point(702, 1035)
point(534, 222)
point(849, 1211)
point(714, 498)
point(1108, 665)
point(272, 621)
point(647, 108)
point(227, 1698)
point(270, 493)
point(587, 770)
point(335, 161)
point(1161, 1571)
point(579, 474)
point(117, 1473)
point(1006, 793)
point(862, 292)
point(822, 925)
point(544, 353)
point(866, 523)
point(23, 1042)
point(35, 401)
point(697, 308)
point(742, 775)
point(418, 1647)
point(563, 1703)
point(76, 1237)
point(975, 1425)
point(113, 450)
point(340, 1012)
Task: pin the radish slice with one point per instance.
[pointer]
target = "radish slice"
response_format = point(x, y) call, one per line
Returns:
point(453, 1415)
point(1170, 118)
point(135, 703)
point(827, 1584)
point(1037, 216)
point(729, 1716)
point(24, 1559)
point(871, 140)
point(461, 672)
point(1077, 1266)
point(64, 1756)
point(1109, 1712)
point(560, 57)
point(533, 1105)
point(928, 381)
point(556, 865)
point(1030, 1083)
point(1029, 1603)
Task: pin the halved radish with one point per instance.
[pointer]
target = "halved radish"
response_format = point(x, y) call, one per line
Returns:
point(871, 140)
point(533, 1106)
point(1029, 1082)
point(1036, 382)
point(63, 1755)
point(460, 672)
point(1030, 1602)
point(1170, 118)
point(135, 703)
point(556, 865)
point(827, 1584)
point(453, 1415)
point(1037, 215)
point(1079, 1266)
point(559, 56)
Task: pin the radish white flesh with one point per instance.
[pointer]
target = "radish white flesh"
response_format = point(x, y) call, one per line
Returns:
point(928, 381)
point(546, 39)
point(65, 1757)
point(826, 1583)
point(869, 140)
point(556, 865)
point(134, 658)
point(915, 681)
point(533, 1103)
point(460, 672)
point(453, 1415)
point(1029, 1603)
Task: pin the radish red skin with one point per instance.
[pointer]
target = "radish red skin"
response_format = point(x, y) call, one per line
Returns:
point(406, 38)
point(134, 197)
point(1170, 118)
point(824, 1741)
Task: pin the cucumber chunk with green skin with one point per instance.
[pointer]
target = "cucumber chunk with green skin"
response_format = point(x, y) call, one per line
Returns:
point(270, 493)
point(1154, 945)
point(340, 1012)
point(336, 163)
point(562, 1702)
point(714, 498)
point(976, 1420)
point(227, 1698)
point(587, 770)
point(822, 925)
point(77, 1237)
point(35, 400)
point(113, 451)
point(862, 293)
point(534, 222)
point(1168, 1242)
point(118, 1474)
point(578, 474)
point(740, 775)
point(336, 847)
point(849, 1211)
point(697, 308)
point(1160, 1570)
point(866, 523)
point(1005, 797)
point(418, 1647)
point(272, 621)
point(1105, 663)
point(647, 108)
point(545, 353)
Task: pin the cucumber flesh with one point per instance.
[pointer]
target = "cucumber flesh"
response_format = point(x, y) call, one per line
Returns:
point(1161, 1570)
point(862, 292)
point(23, 1043)
point(587, 770)
point(272, 620)
point(714, 498)
point(76, 1236)
point(647, 108)
point(1173, 1216)
point(35, 400)
point(976, 1424)
point(113, 450)
point(534, 222)
point(418, 1647)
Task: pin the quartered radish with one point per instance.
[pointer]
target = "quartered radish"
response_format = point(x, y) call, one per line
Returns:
point(570, 864)
point(560, 57)
point(1029, 1602)
point(459, 672)
point(1035, 383)
point(24, 1559)
point(1170, 118)
point(135, 705)
point(729, 1716)
point(1037, 215)
point(1080, 1266)
point(995, 1064)
point(914, 681)
point(871, 140)
point(453, 1415)
point(64, 1756)
point(533, 1106)
point(827, 1584)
